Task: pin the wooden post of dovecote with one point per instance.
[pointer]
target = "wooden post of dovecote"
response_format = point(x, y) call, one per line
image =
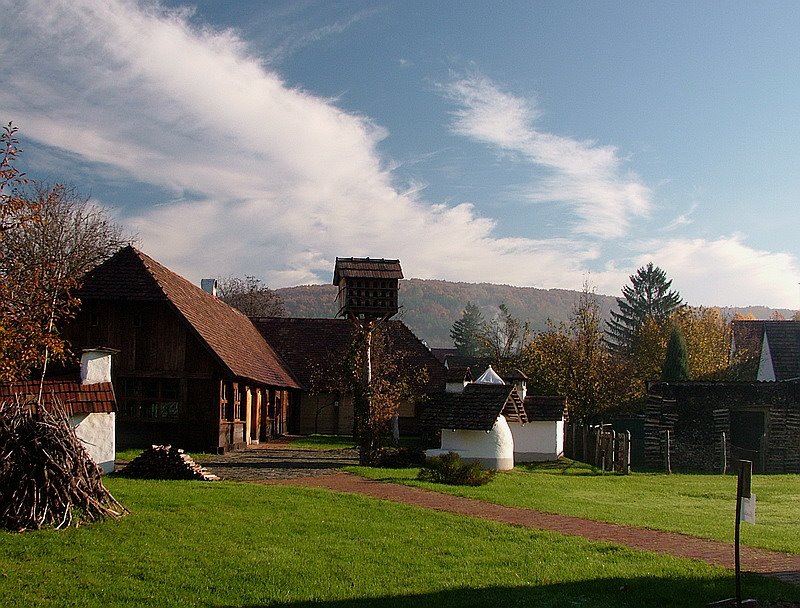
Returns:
point(368, 295)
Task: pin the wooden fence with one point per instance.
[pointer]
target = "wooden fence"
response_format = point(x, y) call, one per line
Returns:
point(600, 446)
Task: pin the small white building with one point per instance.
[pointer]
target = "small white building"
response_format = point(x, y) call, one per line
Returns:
point(90, 404)
point(495, 423)
point(475, 423)
point(541, 439)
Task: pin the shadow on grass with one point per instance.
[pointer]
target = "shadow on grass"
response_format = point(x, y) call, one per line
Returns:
point(565, 466)
point(597, 593)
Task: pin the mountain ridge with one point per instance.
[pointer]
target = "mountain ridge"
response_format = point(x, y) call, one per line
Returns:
point(431, 306)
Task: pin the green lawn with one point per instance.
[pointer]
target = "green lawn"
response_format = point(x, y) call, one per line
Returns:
point(228, 544)
point(700, 505)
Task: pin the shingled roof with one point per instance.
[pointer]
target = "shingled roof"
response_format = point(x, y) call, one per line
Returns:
point(314, 349)
point(74, 397)
point(377, 268)
point(783, 340)
point(545, 407)
point(476, 409)
point(130, 275)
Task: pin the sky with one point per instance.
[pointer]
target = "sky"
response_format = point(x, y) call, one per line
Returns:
point(542, 144)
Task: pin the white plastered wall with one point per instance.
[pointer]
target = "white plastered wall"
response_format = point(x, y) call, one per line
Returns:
point(493, 449)
point(538, 441)
point(97, 434)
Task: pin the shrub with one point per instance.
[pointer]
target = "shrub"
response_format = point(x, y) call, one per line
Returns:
point(450, 469)
point(400, 458)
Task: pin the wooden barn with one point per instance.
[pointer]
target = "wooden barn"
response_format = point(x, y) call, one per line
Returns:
point(191, 370)
point(713, 424)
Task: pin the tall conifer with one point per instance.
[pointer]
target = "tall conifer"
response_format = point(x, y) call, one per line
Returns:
point(648, 296)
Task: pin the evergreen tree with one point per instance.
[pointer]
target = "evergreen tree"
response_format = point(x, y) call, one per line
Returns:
point(648, 296)
point(467, 331)
point(676, 363)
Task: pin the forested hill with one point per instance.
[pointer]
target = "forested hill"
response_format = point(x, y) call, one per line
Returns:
point(430, 307)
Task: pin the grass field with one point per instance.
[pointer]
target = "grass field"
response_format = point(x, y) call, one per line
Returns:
point(227, 544)
point(700, 505)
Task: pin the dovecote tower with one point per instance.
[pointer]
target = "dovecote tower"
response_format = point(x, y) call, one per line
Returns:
point(368, 287)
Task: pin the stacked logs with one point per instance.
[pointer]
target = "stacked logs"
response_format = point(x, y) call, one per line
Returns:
point(166, 462)
point(47, 479)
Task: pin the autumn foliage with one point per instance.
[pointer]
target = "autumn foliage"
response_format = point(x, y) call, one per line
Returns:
point(49, 237)
point(32, 295)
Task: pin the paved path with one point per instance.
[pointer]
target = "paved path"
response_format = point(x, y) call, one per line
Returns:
point(783, 566)
point(277, 461)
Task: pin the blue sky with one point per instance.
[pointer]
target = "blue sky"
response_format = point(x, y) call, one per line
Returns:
point(530, 143)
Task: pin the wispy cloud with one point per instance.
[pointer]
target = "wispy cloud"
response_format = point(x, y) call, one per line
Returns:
point(588, 177)
point(684, 219)
point(261, 178)
point(297, 35)
point(727, 271)
point(281, 181)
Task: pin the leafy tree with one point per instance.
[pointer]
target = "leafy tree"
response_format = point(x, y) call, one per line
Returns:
point(49, 237)
point(467, 331)
point(503, 339)
point(676, 362)
point(251, 296)
point(573, 361)
point(377, 396)
point(648, 296)
point(708, 338)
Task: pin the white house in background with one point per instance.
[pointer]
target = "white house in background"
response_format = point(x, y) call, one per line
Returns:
point(89, 403)
point(777, 344)
point(497, 424)
point(541, 439)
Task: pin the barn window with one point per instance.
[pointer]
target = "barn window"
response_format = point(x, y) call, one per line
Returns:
point(150, 398)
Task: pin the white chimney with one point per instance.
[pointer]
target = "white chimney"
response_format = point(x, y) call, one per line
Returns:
point(96, 365)
point(209, 286)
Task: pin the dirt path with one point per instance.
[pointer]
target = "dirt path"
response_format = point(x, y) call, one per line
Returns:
point(278, 461)
point(785, 567)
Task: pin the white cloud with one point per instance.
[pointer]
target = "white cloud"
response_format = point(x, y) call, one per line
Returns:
point(582, 174)
point(280, 180)
point(271, 181)
point(718, 272)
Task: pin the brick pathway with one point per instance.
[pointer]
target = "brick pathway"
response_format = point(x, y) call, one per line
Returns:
point(785, 567)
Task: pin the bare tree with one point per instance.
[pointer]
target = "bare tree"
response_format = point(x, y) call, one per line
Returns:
point(49, 237)
point(251, 297)
point(71, 236)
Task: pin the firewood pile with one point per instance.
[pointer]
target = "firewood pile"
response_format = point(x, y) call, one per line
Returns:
point(47, 479)
point(166, 462)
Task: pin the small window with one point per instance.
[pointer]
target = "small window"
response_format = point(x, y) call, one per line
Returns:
point(94, 319)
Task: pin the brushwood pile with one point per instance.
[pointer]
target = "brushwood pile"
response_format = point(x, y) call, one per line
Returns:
point(47, 479)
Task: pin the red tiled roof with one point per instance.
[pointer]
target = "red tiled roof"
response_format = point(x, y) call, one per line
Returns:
point(74, 397)
point(377, 268)
point(229, 334)
point(313, 349)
